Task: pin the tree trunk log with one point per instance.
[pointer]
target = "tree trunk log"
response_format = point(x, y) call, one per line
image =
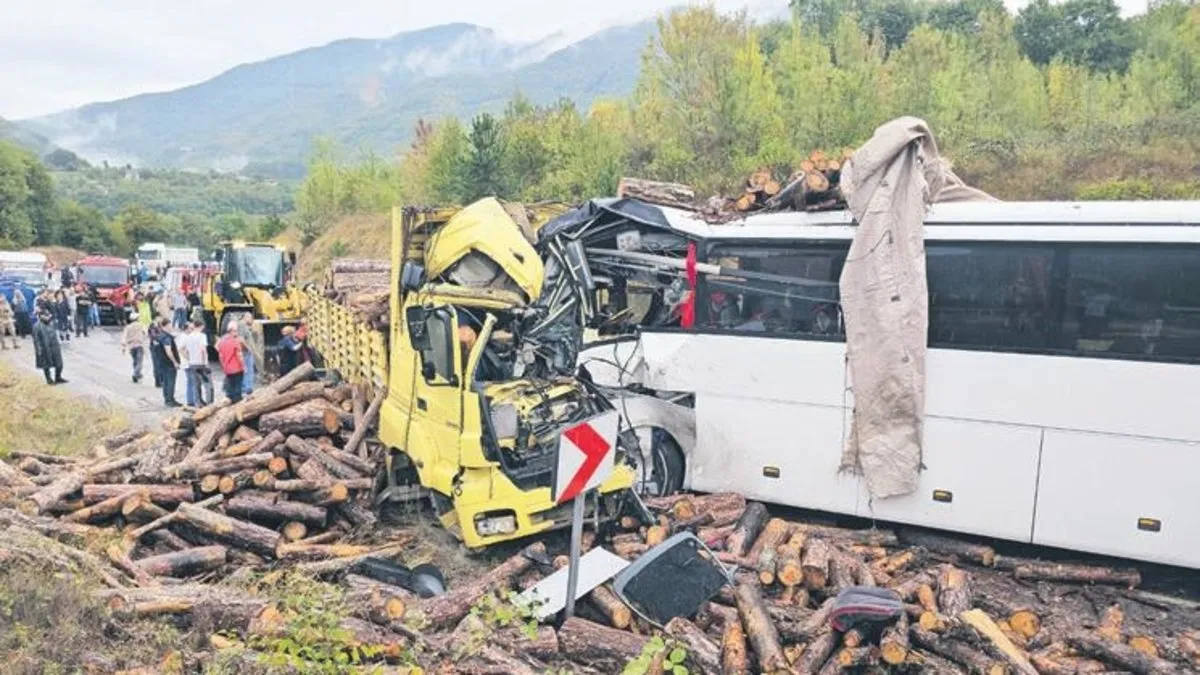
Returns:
point(234, 532)
point(98, 511)
point(1120, 655)
point(184, 563)
point(704, 655)
point(169, 495)
point(676, 195)
point(734, 657)
point(753, 519)
point(1084, 574)
point(448, 609)
point(41, 501)
point(946, 546)
point(1017, 659)
point(893, 644)
point(973, 660)
point(954, 591)
point(313, 453)
point(762, 554)
point(368, 420)
point(816, 653)
point(600, 647)
point(10, 477)
point(306, 419)
point(764, 638)
point(610, 605)
point(222, 466)
point(815, 563)
point(275, 512)
point(261, 405)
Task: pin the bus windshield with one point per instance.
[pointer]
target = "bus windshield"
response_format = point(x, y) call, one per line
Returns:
point(105, 275)
point(149, 254)
point(28, 276)
point(256, 266)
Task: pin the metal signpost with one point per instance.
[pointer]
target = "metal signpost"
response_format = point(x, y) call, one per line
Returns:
point(585, 460)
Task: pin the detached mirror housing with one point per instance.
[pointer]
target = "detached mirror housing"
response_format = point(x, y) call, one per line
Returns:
point(412, 276)
point(672, 579)
point(414, 319)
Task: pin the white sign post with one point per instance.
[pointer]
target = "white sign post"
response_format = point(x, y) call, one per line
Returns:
point(585, 460)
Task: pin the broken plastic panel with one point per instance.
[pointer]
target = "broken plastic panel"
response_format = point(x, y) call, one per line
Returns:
point(672, 579)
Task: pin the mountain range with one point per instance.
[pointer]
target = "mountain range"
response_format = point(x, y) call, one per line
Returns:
point(363, 94)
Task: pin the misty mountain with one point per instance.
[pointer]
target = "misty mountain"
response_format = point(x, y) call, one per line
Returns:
point(22, 137)
point(364, 94)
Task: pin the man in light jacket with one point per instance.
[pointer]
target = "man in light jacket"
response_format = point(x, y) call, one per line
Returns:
point(133, 342)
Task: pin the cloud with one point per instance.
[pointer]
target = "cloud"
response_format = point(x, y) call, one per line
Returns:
point(64, 53)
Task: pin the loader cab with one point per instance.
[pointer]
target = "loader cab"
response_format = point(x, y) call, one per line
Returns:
point(261, 266)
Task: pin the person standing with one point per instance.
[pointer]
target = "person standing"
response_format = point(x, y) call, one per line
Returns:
point(8, 322)
point(156, 355)
point(133, 342)
point(68, 277)
point(170, 361)
point(47, 350)
point(229, 349)
point(179, 306)
point(94, 307)
point(20, 307)
point(246, 333)
point(142, 306)
point(83, 310)
point(194, 345)
point(62, 315)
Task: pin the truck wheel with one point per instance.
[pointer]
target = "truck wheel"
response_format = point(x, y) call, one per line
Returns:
point(663, 474)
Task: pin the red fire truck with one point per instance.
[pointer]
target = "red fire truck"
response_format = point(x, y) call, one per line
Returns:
point(113, 282)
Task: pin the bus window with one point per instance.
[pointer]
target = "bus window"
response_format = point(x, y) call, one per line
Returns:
point(789, 291)
point(996, 296)
point(1135, 301)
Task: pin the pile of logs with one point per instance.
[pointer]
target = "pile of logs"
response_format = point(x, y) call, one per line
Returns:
point(812, 186)
point(276, 476)
point(360, 285)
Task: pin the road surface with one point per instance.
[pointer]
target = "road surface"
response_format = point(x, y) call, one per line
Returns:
point(95, 368)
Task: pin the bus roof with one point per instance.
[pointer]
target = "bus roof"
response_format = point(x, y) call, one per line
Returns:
point(22, 259)
point(1129, 222)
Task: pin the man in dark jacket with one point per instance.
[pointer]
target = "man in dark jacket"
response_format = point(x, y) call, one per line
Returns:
point(164, 341)
point(47, 349)
point(156, 354)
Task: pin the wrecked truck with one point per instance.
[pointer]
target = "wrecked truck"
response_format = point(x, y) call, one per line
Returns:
point(479, 371)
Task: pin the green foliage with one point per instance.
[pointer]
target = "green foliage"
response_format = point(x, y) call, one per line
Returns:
point(1089, 33)
point(483, 160)
point(672, 653)
point(312, 638)
point(26, 199)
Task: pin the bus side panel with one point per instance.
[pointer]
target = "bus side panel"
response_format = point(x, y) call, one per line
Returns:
point(985, 476)
point(777, 451)
point(1094, 488)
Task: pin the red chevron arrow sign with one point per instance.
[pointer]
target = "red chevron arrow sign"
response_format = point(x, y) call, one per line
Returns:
point(585, 456)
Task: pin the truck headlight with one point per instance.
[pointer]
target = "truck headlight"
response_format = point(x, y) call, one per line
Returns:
point(493, 523)
point(235, 285)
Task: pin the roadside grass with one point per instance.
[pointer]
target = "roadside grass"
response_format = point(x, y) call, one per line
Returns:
point(40, 418)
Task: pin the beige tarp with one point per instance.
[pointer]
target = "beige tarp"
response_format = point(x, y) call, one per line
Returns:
point(889, 184)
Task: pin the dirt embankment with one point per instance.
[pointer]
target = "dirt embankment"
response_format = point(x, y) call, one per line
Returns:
point(357, 236)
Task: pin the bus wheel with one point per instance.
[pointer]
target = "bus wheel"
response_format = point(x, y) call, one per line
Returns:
point(663, 474)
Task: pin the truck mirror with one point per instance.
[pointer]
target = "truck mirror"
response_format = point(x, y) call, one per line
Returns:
point(432, 336)
point(414, 319)
point(412, 276)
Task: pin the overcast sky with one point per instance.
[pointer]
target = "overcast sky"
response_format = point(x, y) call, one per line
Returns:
point(58, 54)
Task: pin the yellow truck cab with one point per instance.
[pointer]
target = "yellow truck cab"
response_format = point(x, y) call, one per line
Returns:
point(463, 416)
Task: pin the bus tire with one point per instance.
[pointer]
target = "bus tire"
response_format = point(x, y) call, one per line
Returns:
point(668, 462)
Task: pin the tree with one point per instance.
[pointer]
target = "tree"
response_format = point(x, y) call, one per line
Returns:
point(65, 160)
point(483, 168)
point(447, 163)
point(140, 225)
point(962, 16)
point(1039, 30)
point(82, 227)
point(1088, 33)
point(16, 224)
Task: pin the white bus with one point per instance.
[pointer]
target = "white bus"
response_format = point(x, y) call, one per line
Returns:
point(1062, 384)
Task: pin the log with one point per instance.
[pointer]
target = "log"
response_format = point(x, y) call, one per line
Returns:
point(268, 443)
point(762, 552)
point(296, 551)
point(210, 483)
point(261, 405)
point(383, 603)
point(336, 493)
point(611, 607)
point(240, 448)
point(210, 433)
point(841, 573)
point(954, 592)
point(816, 653)
point(221, 466)
point(98, 511)
point(339, 565)
point(787, 565)
point(1020, 617)
point(358, 515)
point(734, 657)
point(170, 517)
point(151, 464)
point(139, 506)
point(159, 494)
point(169, 540)
point(300, 373)
point(275, 512)
point(1016, 658)
point(1084, 574)
point(41, 501)
point(232, 482)
point(973, 660)
point(232, 531)
point(1120, 655)
point(244, 433)
point(893, 643)
point(313, 453)
point(954, 548)
point(362, 466)
point(184, 563)
point(704, 655)
point(748, 527)
point(369, 419)
point(815, 563)
point(293, 531)
point(760, 630)
point(449, 608)
point(600, 647)
point(675, 195)
point(10, 477)
point(358, 405)
point(307, 419)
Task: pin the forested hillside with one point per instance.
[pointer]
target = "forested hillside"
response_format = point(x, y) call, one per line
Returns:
point(1059, 101)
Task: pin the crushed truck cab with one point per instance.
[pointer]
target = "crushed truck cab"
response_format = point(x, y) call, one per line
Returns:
point(469, 414)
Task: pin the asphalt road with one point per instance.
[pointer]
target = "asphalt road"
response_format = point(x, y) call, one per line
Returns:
point(96, 369)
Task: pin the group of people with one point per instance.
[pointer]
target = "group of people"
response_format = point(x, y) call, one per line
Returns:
point(176, 346)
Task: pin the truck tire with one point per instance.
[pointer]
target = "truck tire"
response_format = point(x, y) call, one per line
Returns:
point(667, 466)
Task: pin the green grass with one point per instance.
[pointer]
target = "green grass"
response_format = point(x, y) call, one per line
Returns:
point(35, 417)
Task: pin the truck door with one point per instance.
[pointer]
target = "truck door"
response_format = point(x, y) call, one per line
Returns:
point(437, 401)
